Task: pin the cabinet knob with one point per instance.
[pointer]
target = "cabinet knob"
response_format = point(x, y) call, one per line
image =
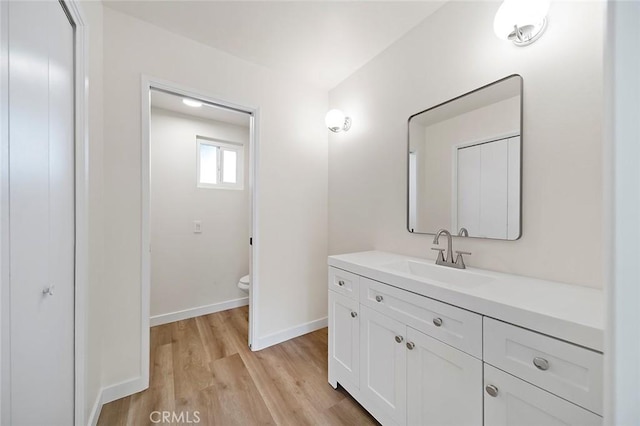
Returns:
point(341, 283)
point(411, 345)
point(437, 322)
point(354, 314)
point(379, 298)
point(541, 363)
point(49, 290)
point(399, 339)
point(492, 390)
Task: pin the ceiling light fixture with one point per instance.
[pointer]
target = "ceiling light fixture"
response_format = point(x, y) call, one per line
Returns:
point(521, 21)
point(336, 121)
point(192, 103)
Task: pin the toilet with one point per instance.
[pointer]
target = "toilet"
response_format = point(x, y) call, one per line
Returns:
point(243, 284)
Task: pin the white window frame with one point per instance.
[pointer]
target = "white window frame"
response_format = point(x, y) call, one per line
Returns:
point(222, 145)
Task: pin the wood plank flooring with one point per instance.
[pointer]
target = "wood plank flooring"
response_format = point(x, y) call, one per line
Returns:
point(204, 364)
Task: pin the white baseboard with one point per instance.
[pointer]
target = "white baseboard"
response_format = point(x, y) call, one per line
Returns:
point(96, 410)
point(290, 333)
point(113, 392)
point(196, 312)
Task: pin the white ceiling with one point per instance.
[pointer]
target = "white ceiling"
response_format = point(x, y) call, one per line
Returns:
point(321, 42)
point(174, 103)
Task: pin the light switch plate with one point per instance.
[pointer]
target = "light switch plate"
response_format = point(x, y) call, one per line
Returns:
point(197, 227)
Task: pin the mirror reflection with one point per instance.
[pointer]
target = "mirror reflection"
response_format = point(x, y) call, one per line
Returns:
point(465, 164)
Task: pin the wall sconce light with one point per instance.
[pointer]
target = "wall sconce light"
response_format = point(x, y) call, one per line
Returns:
point(336, 121)
point(521, 21)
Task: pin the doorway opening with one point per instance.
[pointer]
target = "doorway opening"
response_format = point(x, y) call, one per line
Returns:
point(198, 215)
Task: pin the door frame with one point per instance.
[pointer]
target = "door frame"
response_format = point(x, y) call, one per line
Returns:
point(81, 134)
point(148, 83)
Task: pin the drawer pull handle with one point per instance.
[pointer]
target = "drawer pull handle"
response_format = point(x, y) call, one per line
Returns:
point(354, 314)
point(399, 339)
point(411, 345)
point(541, 363)
point(341, 283)
point(379, 298)
point(492, 390)
point(437, 322)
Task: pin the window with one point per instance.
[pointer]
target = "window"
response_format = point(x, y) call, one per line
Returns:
point(220, 164)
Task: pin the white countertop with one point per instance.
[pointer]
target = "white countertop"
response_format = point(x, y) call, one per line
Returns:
point(568, 312)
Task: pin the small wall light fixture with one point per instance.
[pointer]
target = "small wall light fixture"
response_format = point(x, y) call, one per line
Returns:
point(192, 103)
point(521, 21)
point(336, 121)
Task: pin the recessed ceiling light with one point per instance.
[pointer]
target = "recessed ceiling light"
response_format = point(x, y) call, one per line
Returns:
point(192, 103)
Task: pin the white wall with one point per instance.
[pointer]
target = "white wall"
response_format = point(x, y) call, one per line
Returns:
point(292, 205)
point(452, 52)
point(191, 270)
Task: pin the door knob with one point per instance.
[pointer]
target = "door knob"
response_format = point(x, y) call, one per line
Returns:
point(49, 290)
point(492, 390)
point(399, 339)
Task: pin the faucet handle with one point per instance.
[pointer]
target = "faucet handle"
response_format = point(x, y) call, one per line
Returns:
point(459, 260)
point(440, 254)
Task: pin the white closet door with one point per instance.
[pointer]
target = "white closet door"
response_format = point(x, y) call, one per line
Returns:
point(469, 190)
point(41, 215)
point(493, 181)
point(513, 220)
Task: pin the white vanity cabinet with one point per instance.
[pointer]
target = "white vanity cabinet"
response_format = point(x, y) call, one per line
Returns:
point(442, 383)
point(411, 359)
point(533, 379)
point(406, 376)
point(512, 401)
point(383, 371)
point(344, 341)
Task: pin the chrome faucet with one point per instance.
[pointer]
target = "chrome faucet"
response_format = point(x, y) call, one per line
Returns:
point(448, 261)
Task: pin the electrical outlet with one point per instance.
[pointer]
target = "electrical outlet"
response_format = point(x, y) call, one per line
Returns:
point(197, 227)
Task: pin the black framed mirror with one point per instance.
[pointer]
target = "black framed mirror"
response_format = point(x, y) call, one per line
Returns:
point(465, 164)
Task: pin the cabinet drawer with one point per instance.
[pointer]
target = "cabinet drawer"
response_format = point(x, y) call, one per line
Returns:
point(515, 402)
point(454, 326)
point(344, 282)
point(567, 370)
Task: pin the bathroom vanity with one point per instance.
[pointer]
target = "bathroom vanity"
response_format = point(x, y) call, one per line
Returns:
point(421, 344)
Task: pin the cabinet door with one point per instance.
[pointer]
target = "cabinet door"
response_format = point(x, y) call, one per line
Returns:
point(444, 384)
point(344, 340)
point(383, 374)
point(517, 402)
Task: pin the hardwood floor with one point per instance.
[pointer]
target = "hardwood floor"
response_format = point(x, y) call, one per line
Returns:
point(204, 365)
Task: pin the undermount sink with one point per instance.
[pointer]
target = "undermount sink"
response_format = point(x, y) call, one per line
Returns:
point(441, 274)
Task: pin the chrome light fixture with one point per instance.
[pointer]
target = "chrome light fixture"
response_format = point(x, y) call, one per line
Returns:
point(521, 21)
point(336, 121)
